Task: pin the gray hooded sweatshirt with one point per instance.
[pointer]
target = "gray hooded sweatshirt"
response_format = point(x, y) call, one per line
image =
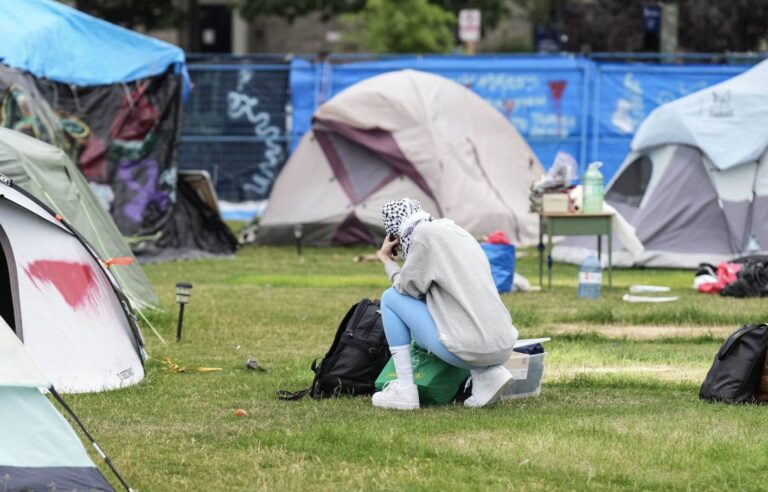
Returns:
point(447, 267)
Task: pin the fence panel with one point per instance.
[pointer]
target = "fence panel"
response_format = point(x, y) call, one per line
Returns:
point(245, 116)
point(235, 126)
point(543, 97)
point(623, 94)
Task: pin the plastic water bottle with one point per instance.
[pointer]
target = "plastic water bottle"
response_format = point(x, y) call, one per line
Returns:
point(590, 278)
point(592, 182)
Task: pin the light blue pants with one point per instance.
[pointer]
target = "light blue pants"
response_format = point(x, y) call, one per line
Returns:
point(406, 317)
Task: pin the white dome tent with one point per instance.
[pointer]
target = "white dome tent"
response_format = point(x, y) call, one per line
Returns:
point(61, 301)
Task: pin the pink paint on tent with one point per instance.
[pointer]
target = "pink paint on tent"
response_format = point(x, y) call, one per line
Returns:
point(76, 282)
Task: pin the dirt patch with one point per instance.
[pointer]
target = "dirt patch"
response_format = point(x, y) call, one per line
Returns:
point(664, 372)
point(642, 332)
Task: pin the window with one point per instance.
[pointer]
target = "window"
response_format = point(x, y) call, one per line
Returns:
point(6, 291)
point(631, 185)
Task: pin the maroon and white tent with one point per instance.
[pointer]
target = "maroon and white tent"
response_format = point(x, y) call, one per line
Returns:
point(403, 134)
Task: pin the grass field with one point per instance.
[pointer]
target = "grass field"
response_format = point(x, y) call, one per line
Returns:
point(616, 412)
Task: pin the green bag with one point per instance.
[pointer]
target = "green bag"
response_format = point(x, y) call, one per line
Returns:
point(437, 381)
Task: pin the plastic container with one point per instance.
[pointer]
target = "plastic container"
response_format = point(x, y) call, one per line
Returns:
point(592, 182)
point(531, 385)
point(590, 278)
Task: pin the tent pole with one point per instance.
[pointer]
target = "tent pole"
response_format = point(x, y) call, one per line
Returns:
point(90, 438)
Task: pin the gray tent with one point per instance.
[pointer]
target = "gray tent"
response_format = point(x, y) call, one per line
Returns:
point(695, 185)
point(47, 173)
point(404, 133)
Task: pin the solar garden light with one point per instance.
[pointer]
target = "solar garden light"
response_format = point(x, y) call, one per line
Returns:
point(183, 293)
point(298, 233)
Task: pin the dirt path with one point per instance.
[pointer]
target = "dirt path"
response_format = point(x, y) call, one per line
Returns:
point(642, 332)
point(636, 332)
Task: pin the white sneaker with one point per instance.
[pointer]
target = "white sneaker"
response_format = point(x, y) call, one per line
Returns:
point(487, 385)
point(396, 396)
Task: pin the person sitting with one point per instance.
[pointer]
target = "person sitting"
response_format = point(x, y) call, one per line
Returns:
point(443, 298)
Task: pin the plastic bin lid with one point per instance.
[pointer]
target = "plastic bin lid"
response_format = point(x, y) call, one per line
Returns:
point(530, 341)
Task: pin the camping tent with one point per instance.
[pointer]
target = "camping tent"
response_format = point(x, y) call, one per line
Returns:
point(404, 133)
point(39, 450)
point(117, 96)
point(48, 174)
point(695, 185)
point(61, 302)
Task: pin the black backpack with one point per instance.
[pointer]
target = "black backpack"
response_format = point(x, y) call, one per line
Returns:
point(357, 356)
point(735, 374)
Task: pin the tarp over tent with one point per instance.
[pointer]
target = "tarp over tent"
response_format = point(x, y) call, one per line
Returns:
point(404, 133)
point(695, 185)
point(48, 174)
point(57, 42)
point(39, 450)
point(61, 302)
point(117, 95)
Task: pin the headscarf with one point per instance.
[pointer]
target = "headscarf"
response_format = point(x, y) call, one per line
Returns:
point(401, 218)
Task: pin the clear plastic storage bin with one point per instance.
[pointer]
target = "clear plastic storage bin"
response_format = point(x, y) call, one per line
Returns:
point(531, 385)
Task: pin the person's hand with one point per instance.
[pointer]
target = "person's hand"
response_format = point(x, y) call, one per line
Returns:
point(385, 253)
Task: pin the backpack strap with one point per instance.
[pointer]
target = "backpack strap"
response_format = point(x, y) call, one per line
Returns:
point(734, 338)
point(298, 395)
point(292, 395)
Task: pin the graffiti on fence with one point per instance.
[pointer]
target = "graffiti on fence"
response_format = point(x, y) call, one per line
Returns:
point(534, 104)
point(240, 105)
point(630, 108)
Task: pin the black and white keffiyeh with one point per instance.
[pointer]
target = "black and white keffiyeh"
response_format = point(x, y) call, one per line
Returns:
point(400, 219)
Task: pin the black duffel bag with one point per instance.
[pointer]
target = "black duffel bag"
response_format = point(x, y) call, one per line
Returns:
point(735, 373)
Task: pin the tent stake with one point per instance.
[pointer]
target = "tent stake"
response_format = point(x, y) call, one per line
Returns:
point(90, 438)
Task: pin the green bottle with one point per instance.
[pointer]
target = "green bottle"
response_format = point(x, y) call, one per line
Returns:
point(592, 183)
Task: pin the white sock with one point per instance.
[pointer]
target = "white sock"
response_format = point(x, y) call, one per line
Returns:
point(401, 355)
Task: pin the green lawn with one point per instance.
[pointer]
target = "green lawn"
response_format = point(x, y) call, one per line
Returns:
point(614, 412)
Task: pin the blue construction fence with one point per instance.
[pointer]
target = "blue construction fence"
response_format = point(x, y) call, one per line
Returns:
point(245, 115)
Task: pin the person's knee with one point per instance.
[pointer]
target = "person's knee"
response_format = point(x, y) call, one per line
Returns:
point(388, 297)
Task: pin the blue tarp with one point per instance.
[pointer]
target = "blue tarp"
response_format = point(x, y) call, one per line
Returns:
point(54, 41)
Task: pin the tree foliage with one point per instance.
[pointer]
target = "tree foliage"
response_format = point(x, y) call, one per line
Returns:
point(704, 25)
point(290, 9)
point(405, 26)
point(493, 10)
point(154, 14)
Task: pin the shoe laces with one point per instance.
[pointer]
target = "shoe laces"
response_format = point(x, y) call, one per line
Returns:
point(390, 386)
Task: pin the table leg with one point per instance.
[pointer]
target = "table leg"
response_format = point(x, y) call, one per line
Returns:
point(549, 253)
point(540, 247)
point(610, 254)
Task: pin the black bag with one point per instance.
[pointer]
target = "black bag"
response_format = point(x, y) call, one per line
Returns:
point(358, 354)
point(735, 374)
point(751, 281)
